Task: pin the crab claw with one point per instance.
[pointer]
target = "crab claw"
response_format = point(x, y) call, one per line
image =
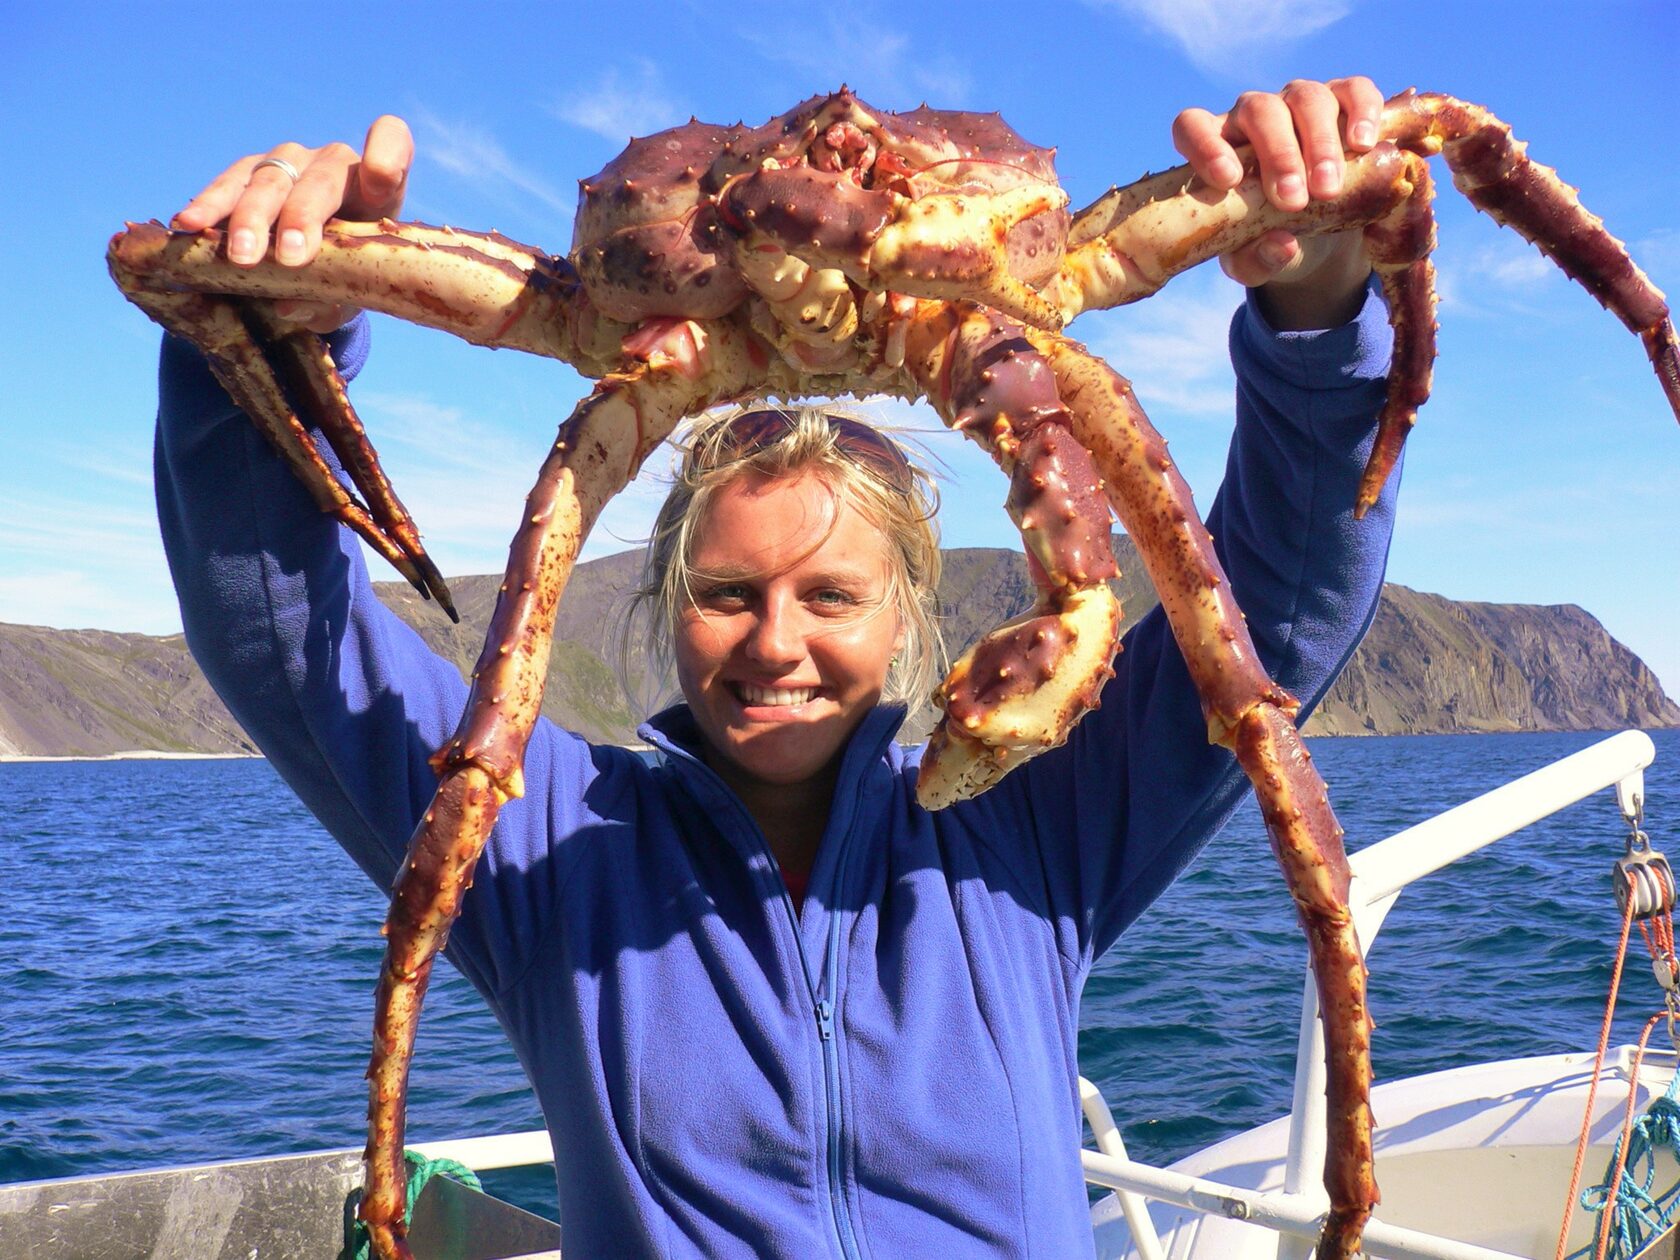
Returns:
point(1664, 349)
point(955, 245)
point(1018, 692)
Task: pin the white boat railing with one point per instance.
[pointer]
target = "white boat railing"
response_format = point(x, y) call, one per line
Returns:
point(1380, 871)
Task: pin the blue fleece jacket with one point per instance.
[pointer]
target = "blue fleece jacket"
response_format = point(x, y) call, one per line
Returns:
point(890, 1071)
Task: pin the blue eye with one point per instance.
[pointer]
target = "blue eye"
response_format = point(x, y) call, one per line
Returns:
point(724, 593)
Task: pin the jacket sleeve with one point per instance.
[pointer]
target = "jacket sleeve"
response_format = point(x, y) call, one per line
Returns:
point(1138, 790)
point(341, 696)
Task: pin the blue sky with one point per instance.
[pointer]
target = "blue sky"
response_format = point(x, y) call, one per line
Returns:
point(1545, 470)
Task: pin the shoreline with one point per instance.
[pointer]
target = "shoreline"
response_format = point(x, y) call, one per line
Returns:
point(131, 754)
point(149, 754)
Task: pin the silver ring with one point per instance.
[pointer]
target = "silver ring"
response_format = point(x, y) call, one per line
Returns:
point(280, 164)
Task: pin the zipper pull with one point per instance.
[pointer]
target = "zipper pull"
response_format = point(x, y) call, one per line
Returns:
point(825, 1019)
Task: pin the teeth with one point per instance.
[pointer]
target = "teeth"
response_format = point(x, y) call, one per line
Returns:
point(776, 695)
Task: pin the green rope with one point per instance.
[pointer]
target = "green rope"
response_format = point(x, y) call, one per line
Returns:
point(1639, 1217)
point(420, 1171)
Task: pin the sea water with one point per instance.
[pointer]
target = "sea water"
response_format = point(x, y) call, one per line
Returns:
point(186, 965)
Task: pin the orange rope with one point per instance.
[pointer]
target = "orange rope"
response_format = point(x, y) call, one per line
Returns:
point(1606, 1218)
point(1598, 1068)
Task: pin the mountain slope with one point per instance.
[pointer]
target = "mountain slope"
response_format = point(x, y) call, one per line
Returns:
point(1429, 664)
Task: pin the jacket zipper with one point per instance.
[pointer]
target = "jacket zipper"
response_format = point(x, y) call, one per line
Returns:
point(831, 1065)
point(823, 1009)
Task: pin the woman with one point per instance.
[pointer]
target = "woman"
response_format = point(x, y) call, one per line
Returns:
point(771, 1007)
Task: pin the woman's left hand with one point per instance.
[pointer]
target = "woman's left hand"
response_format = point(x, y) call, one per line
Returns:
point(1299, 137)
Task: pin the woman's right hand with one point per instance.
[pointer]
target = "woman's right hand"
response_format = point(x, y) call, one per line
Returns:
point(257, 202)
point(1298, 138)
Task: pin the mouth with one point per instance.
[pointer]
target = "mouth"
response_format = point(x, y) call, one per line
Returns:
point(773, 697)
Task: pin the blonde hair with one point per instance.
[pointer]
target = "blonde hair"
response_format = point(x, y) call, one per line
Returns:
point(712, 459)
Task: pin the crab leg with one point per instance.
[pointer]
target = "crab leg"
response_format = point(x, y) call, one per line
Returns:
point(687, 367)
point(1131, 241)
point(492, 291)
point(1021, 689)
point(1250, 714)
point(1068, 429)
point(306, 367)
point(1399, 245)
point(244, 347)
point(1493, 170)
point(482, 287)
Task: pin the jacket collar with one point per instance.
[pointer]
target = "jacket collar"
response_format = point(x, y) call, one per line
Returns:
point(676, 735)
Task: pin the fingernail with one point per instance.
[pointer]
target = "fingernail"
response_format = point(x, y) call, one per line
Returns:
point(291, 246)
point(243, 247)
point(1226, 170)
point(1329, 177)
point(1365, 133)
point(1273, 254)
point(1291, 188)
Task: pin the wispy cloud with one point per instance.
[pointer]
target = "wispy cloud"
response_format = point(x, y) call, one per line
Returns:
point(1586, 509)
point(1174, 346)
point(1516, 265)
point(91, 466)
point(620, 103)
point(79, 563)
point(465, 480)
point(866, 53)
point(1505, 275)
point(128, 602)
point(1226, 36)
point(474, 154)
point(64, 535)
point(1658, 252)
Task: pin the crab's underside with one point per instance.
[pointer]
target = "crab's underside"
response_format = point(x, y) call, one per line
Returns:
point(840, 249)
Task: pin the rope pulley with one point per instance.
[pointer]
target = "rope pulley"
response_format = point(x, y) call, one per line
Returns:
point(1630, 1217)
point(1643, 874)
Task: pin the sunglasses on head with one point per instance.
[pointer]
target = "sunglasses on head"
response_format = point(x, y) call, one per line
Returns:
point(753, 431)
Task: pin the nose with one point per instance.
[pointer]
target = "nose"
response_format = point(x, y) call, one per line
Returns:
point(776, 639)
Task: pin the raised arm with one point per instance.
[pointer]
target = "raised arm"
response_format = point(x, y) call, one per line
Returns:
point(344, 699)
point(1138, 790)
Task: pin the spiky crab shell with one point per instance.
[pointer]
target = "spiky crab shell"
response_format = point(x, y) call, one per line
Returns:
point(654, 234)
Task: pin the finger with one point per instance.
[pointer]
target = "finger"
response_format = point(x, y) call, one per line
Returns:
point(1316, 112)
point(259, 205)
point(1264, 260)
point(218, 198)
point(380, 180)
point(1265, 123)
point(1362, 104)
point(316, 197)
point(1197, 134)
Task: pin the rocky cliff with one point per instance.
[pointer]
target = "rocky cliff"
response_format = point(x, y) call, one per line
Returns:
point(1429, 664)
point(1435, 664)
point(88, 693)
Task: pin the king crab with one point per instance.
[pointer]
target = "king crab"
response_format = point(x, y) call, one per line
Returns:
point(842, 249)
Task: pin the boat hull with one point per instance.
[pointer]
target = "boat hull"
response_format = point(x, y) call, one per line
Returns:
point(293, 1207)
point(1480, 1154)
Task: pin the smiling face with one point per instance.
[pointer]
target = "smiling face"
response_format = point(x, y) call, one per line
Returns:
point(786, 644)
